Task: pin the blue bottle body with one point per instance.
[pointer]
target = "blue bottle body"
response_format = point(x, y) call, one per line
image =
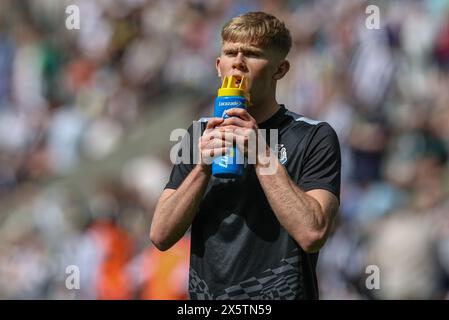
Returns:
point(230, 165)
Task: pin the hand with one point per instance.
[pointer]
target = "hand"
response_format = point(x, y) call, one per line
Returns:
point(242, 129)
point(212, 144)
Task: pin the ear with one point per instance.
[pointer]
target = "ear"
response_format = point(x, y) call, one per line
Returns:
point(217, 66)
point(283, 68)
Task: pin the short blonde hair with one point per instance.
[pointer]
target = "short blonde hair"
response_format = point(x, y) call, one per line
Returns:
point(260, 29)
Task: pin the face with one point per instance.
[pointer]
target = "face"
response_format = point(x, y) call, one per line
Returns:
point(259, 66)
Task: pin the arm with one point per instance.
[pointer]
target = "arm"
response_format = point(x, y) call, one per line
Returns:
point(176, 209)
point(307, 216)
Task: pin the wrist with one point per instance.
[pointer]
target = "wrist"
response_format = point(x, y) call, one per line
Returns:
point(204, 168)
point(266, 162)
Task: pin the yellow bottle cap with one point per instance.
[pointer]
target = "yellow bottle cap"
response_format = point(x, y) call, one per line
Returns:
point(230, 87)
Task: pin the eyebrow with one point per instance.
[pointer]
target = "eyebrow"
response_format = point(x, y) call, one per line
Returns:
point(244, 49)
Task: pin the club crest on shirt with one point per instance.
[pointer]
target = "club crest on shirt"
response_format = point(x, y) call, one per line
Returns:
point(282, 153)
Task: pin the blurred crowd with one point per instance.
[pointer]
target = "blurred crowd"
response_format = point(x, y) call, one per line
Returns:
point(71, 96)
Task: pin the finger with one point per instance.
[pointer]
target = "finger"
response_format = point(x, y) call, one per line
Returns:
point(242, 135)
point(231, 128)
point(237, 131)
point(217, 143)
point(245, 138)
point(239, 112)
point(213, 122)
point(212, 134)
point(208, 156)
point(225, 132)
point(236, 122)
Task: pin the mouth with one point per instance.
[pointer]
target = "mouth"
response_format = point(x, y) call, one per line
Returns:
point(238, 80)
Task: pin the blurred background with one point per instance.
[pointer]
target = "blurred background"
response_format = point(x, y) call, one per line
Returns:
point(86, 116)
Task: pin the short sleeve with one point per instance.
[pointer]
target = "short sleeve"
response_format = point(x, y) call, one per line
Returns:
point(321, 167)
point(184, 162)
point(187, 154)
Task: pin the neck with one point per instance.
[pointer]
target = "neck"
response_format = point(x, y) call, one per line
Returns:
point(263, 111)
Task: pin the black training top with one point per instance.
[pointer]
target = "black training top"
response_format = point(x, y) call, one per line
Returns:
point(239, 250)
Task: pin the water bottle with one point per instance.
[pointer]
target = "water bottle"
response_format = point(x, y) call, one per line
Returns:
point(232, 94)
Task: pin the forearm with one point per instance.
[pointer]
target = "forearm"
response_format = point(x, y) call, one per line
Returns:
point(300, 214)
point(174, 215)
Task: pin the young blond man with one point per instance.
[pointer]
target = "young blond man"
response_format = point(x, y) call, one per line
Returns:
point(257, 236)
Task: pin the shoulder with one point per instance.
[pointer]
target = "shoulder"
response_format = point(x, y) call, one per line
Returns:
point(312, 129)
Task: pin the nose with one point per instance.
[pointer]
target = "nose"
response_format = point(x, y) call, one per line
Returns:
point(239, 62)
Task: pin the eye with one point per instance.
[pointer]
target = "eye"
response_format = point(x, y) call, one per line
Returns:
point(230, 53)
point(253, 54)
